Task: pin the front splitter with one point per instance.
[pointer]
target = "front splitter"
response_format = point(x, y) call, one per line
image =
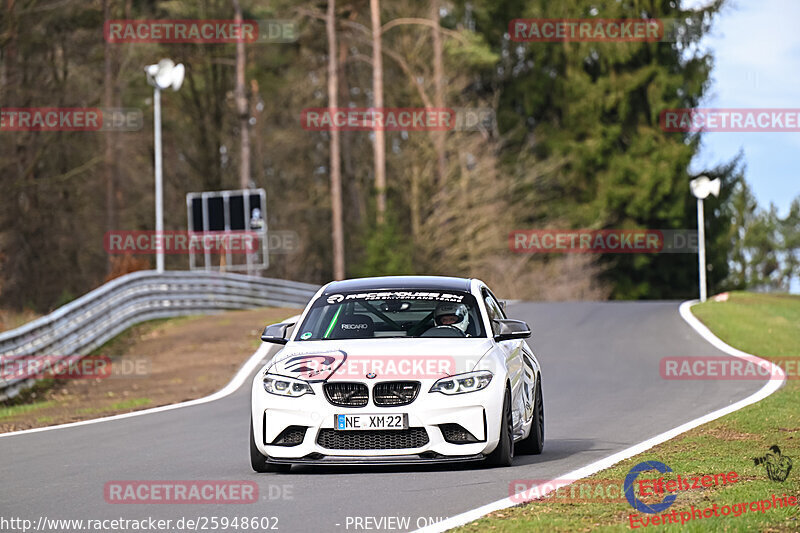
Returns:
point(380, 460)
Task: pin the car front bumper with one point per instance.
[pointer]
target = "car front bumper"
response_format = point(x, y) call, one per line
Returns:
point(477, 412)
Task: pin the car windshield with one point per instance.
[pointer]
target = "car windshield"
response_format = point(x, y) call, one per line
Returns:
point(408, 313)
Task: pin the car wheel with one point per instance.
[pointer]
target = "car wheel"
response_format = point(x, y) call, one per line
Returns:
point(534, 442)
point(259, 461)
point(503, 455)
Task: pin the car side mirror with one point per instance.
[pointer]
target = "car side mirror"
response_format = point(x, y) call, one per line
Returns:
point(508, 329)
point(276, 333)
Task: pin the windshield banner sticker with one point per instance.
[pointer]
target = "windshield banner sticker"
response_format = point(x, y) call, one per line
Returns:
point(397, 295)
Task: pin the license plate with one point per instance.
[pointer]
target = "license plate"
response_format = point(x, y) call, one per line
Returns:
point(370, 422)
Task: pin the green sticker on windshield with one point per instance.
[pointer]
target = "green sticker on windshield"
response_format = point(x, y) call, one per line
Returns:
point(306, 335)
point(333, 323)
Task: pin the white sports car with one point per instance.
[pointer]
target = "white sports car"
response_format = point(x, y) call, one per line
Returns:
point(398, 370)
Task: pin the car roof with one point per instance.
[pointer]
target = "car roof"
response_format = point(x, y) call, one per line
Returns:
point(399, 282)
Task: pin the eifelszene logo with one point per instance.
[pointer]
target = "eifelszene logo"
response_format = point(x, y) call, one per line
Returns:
point(660, 485)
point(635, 502)
point(778, 466)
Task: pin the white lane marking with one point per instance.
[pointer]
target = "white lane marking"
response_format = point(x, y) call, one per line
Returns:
point(238, 380)
point(685, 311)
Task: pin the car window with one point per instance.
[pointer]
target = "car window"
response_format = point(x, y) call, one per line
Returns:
point(409, 313)
point(493, 308)
point(498, 306)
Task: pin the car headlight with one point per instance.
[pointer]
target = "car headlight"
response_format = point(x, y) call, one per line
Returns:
point(285, 386)
point(462, 383)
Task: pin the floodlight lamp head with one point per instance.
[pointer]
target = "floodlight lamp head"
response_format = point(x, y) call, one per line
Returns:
point(701, 187)
point(165, 74)
point(177, 76)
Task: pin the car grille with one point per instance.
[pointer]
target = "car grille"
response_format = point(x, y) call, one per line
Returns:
point(394, 393)
point(346, 394)
point(372, 440)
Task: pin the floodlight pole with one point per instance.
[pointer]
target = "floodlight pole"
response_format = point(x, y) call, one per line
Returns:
point(701, 187)
point(159, 187)
point(701, 237)
point(161, 76)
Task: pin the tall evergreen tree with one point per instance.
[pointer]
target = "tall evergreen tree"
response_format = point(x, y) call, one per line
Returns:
point(581, 121)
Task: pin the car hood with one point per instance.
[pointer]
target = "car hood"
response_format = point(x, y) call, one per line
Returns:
point(424, 358)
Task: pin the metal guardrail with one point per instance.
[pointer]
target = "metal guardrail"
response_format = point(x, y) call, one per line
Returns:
point(83, 325)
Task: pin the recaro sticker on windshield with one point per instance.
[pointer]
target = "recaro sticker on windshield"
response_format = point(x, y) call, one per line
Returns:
point(397, 295)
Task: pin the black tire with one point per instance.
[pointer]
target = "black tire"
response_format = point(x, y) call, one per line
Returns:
point(533, 444)
point(503, 455)
point(258, 461)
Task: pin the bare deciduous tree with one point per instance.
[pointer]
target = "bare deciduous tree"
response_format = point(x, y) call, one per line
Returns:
point(335, 164)
point(110, 137)
point(438, 97)
point(377, 89)
point(242, 107)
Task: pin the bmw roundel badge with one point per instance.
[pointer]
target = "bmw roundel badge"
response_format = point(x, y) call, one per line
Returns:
point(371, 375)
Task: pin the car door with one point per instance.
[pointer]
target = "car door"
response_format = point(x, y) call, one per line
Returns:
point(512, 350)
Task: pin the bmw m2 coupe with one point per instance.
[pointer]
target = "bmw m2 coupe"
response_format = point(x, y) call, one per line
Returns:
point(398, 370)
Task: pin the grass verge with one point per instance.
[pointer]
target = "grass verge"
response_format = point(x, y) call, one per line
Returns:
point(13, 410)
point(761, 324)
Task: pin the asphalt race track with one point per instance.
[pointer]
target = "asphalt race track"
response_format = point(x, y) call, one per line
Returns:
point(602, 390)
